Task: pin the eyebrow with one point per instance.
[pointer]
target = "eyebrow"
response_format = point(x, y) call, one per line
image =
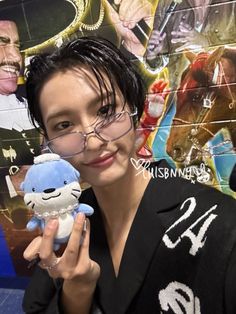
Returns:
point(7, 40)
point(91, 103)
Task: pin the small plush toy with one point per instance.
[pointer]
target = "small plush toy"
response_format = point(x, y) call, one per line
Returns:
point(52, 190)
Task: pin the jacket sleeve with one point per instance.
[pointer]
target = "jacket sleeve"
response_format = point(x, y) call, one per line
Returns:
point(230, 284)
point(42, 294)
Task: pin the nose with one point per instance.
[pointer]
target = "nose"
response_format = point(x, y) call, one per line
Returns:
point(93, 142)
point(178, 153)
point(49, 190)
point(12, 53)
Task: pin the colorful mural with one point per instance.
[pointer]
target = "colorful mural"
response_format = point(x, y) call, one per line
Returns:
point(186, 53)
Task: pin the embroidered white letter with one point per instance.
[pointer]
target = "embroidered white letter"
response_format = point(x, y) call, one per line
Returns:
point(179, 298)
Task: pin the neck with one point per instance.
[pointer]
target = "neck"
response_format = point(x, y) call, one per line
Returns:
point(119, 202)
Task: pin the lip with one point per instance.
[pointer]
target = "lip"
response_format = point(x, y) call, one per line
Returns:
point(102, 161)
point(10, 69)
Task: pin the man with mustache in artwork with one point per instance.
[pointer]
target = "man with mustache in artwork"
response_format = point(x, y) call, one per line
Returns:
point(17, 137)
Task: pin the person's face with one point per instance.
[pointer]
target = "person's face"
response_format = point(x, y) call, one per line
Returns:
point(71, 101)
point(10, 57)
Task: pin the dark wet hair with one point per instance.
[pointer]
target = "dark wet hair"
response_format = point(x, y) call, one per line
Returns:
point(98, 55)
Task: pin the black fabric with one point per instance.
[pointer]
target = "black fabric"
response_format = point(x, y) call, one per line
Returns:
point(232, 179)
point(179, 256)
point(41, 295)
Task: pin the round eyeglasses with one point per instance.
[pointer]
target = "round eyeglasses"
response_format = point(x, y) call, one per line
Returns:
point(107, 130)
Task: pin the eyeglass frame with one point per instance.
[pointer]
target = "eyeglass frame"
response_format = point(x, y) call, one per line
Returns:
point(46, 146)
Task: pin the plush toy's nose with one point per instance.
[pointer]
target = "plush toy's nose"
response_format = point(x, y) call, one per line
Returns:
point(49, 190)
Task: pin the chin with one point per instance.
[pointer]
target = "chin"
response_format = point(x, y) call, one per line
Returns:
point(8, 87)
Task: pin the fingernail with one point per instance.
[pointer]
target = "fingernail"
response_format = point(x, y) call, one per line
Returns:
point(80, 217)
point(52, 223)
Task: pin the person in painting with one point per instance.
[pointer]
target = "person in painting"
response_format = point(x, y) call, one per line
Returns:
point(153, 242)
point(18, 140)
point(188, 24)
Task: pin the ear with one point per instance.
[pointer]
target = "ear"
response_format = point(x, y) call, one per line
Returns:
point(215, 57)
point(22, 186)
point(190, 55)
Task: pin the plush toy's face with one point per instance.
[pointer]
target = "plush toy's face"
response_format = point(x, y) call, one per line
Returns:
point(51, 186)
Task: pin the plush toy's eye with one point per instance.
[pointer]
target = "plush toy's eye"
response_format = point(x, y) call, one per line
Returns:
point(65, 182)
point(33, 189)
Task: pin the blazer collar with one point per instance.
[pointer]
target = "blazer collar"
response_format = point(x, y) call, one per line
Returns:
point(116, 293)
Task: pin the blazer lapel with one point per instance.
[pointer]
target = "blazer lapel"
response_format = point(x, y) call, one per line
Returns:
point(144, 239)
point(116, 294)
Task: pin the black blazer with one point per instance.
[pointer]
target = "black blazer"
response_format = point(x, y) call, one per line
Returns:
point(179, 256)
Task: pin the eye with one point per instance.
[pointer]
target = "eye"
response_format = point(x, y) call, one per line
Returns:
point(196, 97)
point(63, 125)
point(33, 189)
point(65, 182)
point(106, 110)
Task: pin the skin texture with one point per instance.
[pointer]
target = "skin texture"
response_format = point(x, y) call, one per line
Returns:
point(69, 101)
point(10, 57)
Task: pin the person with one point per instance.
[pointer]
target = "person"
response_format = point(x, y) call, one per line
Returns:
point(19, 143)
point(14, 121)
point(153, 242)
point(188, 25)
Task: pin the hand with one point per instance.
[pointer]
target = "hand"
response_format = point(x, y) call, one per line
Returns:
point(155, 44)
point(190, 38)
point(75, 265)
point(130, 12)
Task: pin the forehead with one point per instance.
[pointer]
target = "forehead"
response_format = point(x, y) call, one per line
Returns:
point(9, 29)
point(79, 80)
point(70, 87)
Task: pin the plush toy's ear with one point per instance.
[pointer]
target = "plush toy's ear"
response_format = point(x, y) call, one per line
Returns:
point(22, 186)
point(77, 173)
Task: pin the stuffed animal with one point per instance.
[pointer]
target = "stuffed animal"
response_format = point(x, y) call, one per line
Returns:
point(52, 190)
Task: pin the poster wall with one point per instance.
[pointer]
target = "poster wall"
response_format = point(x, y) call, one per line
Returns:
point(186, 53)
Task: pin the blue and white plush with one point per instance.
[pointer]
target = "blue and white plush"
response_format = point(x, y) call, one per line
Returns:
point(52, 190)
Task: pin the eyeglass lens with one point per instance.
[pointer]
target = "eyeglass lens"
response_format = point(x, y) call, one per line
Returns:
point(108, 130)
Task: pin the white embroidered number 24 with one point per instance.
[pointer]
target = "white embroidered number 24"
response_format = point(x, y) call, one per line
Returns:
point(198, 240)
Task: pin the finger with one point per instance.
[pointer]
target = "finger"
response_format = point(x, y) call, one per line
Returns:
point(186, 26)
point(117, 2)
point(84, 249)
point(155, 34)
point(46, 247)
point(183, 29)
point(51, 266)
point(177, 34)
point(71, 252)
point(182, 48)
point(32, 249)
point(179, 40)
